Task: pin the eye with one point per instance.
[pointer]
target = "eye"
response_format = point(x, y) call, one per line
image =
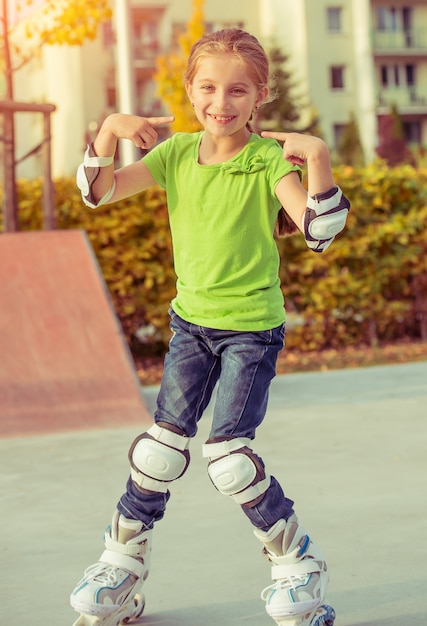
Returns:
point(238, 91)
point(207, 87)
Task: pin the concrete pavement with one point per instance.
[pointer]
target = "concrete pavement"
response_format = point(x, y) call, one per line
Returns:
point(348, 446)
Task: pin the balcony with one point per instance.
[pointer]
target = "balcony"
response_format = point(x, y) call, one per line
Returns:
point(408, 100)
point(400, 42)
point(146, 52)
point(144, 58)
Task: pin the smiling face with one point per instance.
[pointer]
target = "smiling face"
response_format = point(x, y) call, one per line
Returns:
point(223, 94)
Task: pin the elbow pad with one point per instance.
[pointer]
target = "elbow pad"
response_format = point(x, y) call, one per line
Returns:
point(324, 218)
point(87, 173)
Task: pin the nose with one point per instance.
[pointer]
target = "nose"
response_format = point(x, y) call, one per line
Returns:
point(221, 99)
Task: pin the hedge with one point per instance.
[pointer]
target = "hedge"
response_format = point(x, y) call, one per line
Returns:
point(370, 286)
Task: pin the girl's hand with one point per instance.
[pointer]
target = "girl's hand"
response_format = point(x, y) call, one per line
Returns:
point(140, 130)
point(298, 148)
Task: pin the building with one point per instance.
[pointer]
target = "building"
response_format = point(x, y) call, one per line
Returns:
point(357, 58)
point(350, 57)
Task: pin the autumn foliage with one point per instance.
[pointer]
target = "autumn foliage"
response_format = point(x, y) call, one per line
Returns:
point(371, 285)
point(171, 69)
point(55, 22)
point(67, 21)
point(392, 145)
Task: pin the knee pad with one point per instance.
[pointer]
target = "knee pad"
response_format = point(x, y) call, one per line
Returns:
point(157, 457)
point(236, 471)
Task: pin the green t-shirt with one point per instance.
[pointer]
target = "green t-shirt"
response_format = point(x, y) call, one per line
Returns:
point(222, 219)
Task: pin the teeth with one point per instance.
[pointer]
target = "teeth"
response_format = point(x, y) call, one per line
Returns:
point(222, 118)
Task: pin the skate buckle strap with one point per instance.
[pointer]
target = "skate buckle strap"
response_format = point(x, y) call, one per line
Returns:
point(151, 484)
point(84, 184)
point(123, 561)
point(137, 550)
point(295, 570)
point(221, 448)
point(96, 161)
point(179, 442)
point(251, 493)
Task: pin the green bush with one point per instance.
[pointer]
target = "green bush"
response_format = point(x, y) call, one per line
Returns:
point(369, 286)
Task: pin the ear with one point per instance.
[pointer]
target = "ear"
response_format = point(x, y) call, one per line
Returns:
point(262, 95)
point(189, 90)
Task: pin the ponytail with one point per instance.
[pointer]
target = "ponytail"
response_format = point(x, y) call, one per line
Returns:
point(284, 225)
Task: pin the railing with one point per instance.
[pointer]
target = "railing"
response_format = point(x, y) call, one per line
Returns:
point(403, 97)
point(146, 52)
point(8, 108)
point(400, 40)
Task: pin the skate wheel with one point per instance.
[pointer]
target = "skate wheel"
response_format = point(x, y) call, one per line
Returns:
point(139, 601)
point(140, 609)
point(325, 616)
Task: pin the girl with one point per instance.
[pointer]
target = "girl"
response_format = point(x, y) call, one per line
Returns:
point(225, 189)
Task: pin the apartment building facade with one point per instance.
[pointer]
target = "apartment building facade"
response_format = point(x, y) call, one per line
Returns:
point(350, 58)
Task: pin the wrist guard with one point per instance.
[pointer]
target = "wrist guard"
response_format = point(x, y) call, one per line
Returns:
point(87, 173)
point(324, 218)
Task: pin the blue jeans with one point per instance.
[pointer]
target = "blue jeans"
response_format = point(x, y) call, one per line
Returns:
point(243, 364)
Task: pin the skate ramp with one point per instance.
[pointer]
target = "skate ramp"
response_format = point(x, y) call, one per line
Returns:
point(64, 363)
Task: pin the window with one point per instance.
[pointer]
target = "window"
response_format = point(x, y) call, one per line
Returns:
point(108, 36)
point(394, 19)
point(410, 75)
point(337, 77)
point(178, 29)
point(334, 15)
point(384, 75)
point(412, 131)
point(339, 130)
point(387, 19)
point(111, 97)
point(211, 27)
point(395, 75)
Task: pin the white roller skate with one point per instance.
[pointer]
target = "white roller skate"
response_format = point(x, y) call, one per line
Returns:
point(300, 577)
point(109, 593)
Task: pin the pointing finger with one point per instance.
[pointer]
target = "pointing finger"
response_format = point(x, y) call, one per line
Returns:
point(274, 135)
point(295, 160)
point(159, 121)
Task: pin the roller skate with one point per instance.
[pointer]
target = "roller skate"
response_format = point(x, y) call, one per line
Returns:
point(109, 594)
point(300, 577)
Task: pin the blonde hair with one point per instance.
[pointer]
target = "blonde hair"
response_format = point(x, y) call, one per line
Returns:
point(244, 46)
point(248, 50)
point(284, 225)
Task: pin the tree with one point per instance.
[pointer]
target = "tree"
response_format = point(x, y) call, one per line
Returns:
point(56, 22)
point(350, 148)
point(286, 108)
point(392, 145)
point(170, 73)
